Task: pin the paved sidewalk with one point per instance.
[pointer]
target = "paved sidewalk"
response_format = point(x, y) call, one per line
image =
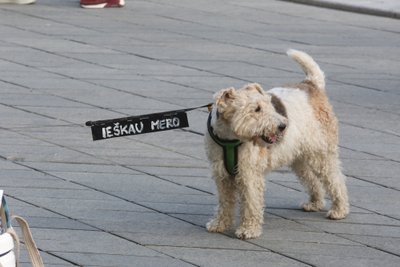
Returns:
point(144, 200)
point(385, 8)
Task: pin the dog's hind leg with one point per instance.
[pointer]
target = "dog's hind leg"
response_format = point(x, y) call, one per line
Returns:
point(308, 178)
point(334, 183)
point(224, 217)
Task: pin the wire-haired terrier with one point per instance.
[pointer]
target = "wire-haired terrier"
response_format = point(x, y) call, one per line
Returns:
point(252, 132)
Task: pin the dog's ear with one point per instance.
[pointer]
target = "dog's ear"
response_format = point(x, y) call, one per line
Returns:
point(223, 101)
point(225, 96)
point(254, 87)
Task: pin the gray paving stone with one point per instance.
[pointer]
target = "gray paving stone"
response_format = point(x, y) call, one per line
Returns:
point(80, 241)
point(389, 244)
point(13, 182)
point(365, 198)
point(356, 217)
point(289, 235)
point(180, 208)
point(87, 208)
point(366, 169)
point(221, 257)
point(372, 120)
point(21, 100)
point(348, 153)
point(28, 210)
point(321, 249)
point(95, 259)
point(387, 8)
point(205, 184)
point(327, 260)
point(132, 183)
point(57, 223)
point(83, 193)
point(359, 229)
point(363, 97)
point(49, 259)
point(55, 168)
point(176, 171)
point(18, 118)
point(178, 238)
point(387, 149)
point(142, 222)
point(141, 197)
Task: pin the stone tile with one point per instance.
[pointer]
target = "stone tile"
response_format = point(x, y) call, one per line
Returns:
point(56, 223)
point(358, 229)
point(94, 259)
point(327, 260)
point(48, 259)
point(180, 208)
point(389, 244)
point(355, 217)
point(388, 149)
point(175, 171)
point(79, 241)
point(221, 257)
point(200, 239)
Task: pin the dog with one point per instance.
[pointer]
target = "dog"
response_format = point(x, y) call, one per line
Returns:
point(252, 132)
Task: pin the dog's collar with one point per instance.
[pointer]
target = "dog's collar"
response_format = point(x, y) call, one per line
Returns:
point(230, 148)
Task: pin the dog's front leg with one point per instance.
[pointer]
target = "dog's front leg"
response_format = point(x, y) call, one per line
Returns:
point(224, 217)
point(251, 192)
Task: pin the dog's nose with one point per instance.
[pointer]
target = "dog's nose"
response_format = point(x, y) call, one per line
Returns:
point(282, 127)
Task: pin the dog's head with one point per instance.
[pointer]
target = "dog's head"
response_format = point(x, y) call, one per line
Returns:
point(250, 114)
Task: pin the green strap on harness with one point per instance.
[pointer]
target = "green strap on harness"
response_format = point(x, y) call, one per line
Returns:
point(230, 148)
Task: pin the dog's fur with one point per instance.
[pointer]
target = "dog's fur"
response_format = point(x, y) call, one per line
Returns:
point(292, 125)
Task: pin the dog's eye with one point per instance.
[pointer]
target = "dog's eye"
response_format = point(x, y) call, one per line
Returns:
point(258, 109)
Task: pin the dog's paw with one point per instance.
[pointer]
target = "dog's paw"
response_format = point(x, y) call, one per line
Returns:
point(217, 226)
point(337, 214)
point(248, 233)
point(313, 206)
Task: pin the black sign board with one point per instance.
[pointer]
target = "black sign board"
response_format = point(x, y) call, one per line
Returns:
point(135, 125)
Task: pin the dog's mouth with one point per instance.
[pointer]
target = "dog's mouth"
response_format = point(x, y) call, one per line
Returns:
point(271, 139)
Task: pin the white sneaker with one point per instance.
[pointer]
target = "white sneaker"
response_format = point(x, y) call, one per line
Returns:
point(18, 2)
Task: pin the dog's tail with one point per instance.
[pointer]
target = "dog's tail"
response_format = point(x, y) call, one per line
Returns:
point(313, 73)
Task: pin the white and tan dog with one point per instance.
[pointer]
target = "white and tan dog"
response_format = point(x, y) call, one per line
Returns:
point(252, 132)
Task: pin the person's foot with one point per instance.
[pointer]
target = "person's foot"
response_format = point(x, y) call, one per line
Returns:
point(101, 3)
point(18, 2)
